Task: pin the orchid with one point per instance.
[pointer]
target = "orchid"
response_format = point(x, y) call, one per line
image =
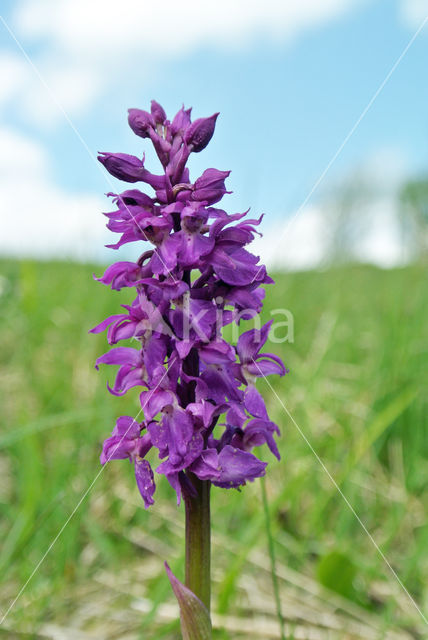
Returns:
point(193, 276)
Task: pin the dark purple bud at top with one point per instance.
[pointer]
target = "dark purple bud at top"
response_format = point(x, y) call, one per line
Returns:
point(122, 166)
point(158, 113)
point(181, 120)
point(200, 132)
point(140, 122)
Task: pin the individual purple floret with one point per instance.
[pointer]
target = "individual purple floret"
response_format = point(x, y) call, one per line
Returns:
point(202, 412)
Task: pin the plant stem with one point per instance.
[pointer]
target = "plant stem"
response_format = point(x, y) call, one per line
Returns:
point(198, 522)
point(198, 540)
point(272, 559)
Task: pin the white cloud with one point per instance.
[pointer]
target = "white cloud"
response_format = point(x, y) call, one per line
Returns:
point(357, 218)
point(305, 241)
point(100, 29)
point(20, 156)
point(382, 243)
point(299, 242)
point(13, 76)
point(73, 87)
point(385, 169)
point(89, 46)
point(38, 218)
point(413, 12)
point(68, 87)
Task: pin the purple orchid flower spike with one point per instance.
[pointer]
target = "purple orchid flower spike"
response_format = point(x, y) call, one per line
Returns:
point(193, 274)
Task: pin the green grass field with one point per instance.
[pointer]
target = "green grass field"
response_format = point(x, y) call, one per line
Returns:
point(356, 391)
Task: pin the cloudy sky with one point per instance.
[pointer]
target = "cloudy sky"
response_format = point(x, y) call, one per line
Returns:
point(289, 78)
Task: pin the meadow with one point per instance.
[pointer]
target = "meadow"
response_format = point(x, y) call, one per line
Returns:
point(353, 401)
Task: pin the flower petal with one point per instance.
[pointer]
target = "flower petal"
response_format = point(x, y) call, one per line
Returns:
point(127, 426)
point(120, 355)
point(237, 466)
point(250, 342)
point(255, 404)
point(145, 480)
point(105, 323)
point(206, 467)
point(267, 364)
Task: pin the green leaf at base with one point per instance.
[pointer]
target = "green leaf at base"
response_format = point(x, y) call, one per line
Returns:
point(194, 616)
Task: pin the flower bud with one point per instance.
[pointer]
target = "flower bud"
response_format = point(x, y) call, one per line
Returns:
point(181, 120)
point(157, 112)
point(200, 132)
point(122, 166)
point(140, 122)
point(130, 169)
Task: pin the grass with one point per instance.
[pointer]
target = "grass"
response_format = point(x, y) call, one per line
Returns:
point(356, 390)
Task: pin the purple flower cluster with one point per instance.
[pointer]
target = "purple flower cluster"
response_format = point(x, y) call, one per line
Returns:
point(202, 411)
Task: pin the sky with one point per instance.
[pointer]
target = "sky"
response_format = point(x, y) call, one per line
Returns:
point(290, 80)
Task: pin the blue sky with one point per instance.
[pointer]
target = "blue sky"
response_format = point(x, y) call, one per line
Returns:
point(289, 85)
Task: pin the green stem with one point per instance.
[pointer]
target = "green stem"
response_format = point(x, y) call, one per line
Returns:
point(198, 541)
point(272, 559)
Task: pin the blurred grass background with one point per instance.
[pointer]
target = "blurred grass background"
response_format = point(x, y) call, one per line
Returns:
point(356, 388)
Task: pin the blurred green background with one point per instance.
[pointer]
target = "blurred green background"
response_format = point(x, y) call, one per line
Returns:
point(355, 389)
